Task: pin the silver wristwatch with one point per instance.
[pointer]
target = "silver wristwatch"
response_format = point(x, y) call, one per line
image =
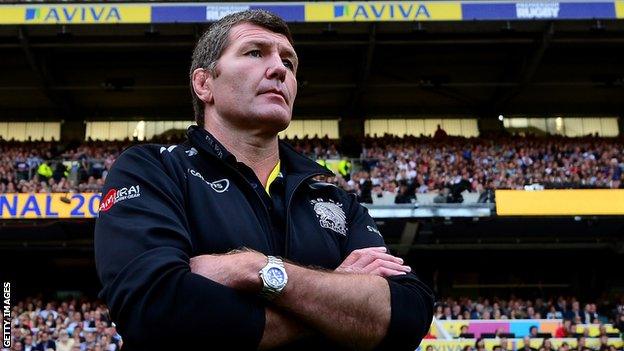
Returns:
point(274, 277)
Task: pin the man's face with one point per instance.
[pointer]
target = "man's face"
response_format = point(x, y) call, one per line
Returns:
point(254, 85)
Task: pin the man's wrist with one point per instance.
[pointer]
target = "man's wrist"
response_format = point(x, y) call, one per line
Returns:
point(254, 264)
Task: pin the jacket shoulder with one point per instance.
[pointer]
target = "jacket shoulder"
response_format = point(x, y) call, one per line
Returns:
point(331, 190)
point(160, 152)
point(148, 160)
point(134, 152)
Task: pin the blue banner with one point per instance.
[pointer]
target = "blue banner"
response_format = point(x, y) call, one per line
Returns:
point(531, 10)
point(198, 13)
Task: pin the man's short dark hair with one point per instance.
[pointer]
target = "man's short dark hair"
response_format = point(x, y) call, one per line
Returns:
point(213, 42)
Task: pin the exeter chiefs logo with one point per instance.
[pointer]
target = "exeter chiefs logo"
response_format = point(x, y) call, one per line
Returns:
point(330, 215)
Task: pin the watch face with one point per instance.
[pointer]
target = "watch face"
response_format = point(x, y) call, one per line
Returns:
point(275, 277)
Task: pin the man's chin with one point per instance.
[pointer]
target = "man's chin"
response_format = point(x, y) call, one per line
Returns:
point(276, 120)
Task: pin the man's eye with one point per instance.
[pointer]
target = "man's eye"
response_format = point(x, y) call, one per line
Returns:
point(254, 53)
point(288, 64)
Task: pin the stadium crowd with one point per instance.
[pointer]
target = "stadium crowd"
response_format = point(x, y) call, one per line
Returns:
point(43, 167)
point(568, 308)
point(448, 166)
point(70, 325)
point(84, 325)
point(401, 167)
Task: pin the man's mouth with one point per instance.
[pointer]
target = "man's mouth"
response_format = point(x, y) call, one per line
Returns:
point(276, 92)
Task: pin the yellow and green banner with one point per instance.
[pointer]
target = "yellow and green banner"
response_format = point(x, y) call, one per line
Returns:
point(68, 13)
point(383, 11)
point(49, 205)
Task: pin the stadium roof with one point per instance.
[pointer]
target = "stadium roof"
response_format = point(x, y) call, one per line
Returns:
point(381, 69)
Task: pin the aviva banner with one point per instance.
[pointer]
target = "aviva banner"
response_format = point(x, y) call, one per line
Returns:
point(56, 205)
point(383, 11)
point(322, 11)
point(67, 13)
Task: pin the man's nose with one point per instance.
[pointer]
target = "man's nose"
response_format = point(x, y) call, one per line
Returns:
point(276, 69)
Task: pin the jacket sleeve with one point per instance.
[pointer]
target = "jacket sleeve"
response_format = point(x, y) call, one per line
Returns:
point(411, 300)
point(142, 252)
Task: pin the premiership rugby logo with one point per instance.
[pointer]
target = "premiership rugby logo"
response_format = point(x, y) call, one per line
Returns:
point(330, 215)
point(114, 196)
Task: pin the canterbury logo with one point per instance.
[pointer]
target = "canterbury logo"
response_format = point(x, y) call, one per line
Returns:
point(220, 186)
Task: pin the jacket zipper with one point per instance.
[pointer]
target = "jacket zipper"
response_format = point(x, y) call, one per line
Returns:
point(266, 210)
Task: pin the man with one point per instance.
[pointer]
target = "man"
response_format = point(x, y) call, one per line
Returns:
point(533, 331)
point(589, 315)
point(27, 343)
point(526, 344)
point(172, 216)
point(573, 313)
point(45, 343)
point(504, 344)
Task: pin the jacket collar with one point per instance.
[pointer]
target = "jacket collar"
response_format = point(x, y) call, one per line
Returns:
point(201, 139)
point(295, 163)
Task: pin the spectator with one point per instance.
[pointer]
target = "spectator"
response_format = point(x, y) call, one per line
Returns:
point(64, 343)
point(533, 331)
point(553, 313)
point(547, 345)
point(439, 133)
point(564, 330)
point(480, 345)
point(589, 315)
point(28, 343)
point(45, 343)
point(581, 344)
point(526, 344)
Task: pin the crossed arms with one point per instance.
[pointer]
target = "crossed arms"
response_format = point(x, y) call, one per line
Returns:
point(350, 305)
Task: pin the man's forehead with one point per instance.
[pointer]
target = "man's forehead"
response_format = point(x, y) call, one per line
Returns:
point(244, 32)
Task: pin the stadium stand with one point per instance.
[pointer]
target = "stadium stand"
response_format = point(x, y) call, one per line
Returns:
point(397, 170)
point(559, 324)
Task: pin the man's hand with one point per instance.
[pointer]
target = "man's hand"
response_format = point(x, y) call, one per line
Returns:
point(373, 261)
point(239, 269)
point(236, 269)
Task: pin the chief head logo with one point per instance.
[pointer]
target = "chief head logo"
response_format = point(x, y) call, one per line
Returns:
point(330, 215)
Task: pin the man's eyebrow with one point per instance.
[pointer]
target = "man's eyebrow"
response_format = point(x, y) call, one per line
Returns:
point(264, 43)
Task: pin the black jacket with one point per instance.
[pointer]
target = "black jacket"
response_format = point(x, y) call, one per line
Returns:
point(162, 205)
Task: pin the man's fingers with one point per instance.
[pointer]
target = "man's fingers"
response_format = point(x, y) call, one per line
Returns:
point(355, 255)
point(386, 272)
point(388, 265)
point(371, 256)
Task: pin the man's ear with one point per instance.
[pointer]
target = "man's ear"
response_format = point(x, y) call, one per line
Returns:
point(202, 85)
